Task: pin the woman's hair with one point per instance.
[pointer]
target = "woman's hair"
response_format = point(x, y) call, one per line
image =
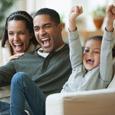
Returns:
point(20, 16)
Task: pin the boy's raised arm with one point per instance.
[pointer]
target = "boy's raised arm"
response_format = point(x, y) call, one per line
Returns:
point(110, 15)
point(74, 41)
point(74, 13)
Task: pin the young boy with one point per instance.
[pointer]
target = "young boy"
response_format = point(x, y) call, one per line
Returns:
point(92, 69)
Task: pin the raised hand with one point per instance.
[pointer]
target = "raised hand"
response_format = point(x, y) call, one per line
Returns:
point(110, 14)
point(74, 13)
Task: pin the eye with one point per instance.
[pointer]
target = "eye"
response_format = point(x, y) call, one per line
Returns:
point(48, 26)
point(96, 51)
point(86, 50)
point(36, 28)
point(10, 33)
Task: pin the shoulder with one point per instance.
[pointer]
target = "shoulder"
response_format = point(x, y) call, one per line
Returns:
point(66, 47)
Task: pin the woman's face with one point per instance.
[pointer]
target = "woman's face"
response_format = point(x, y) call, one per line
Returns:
point(18, 36)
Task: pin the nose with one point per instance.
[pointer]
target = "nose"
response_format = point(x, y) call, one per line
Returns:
point(42, 32)
point(91, 52)
point(16, 37)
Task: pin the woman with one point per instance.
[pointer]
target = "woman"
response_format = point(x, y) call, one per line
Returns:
point(18, 36)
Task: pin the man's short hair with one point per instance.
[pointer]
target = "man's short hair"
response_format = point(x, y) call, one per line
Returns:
point(52, 13)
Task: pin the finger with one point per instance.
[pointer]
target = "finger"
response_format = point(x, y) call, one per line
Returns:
point(81, 9)
point(13, 57)
point(113, 10)
point(16, 56)
point(19, 54)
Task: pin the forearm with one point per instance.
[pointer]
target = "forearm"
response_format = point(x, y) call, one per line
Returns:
point(4, 78)
point(6, 73)
point(106, 61)
point(75, 49)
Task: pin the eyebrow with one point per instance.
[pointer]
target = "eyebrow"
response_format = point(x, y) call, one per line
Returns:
point(91, 48)
point(44, 24)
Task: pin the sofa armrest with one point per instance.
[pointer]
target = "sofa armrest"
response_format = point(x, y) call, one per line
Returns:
point(95, 102)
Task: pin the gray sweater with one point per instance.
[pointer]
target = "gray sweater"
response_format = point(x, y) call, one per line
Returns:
point(49, 73)
point(97, 78)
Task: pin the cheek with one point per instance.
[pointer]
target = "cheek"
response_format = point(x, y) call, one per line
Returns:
point(38, 40)
point(36, 33)
point(26, 40)
point(37, 36)
point(84, 58)
point(97, 59)
point(84, 55)
point(10, 40)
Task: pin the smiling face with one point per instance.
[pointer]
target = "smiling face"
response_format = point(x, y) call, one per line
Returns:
point(18, 36)
point(91, 55)
point(47, 32)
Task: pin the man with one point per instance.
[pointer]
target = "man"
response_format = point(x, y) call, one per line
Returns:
point(39, 73)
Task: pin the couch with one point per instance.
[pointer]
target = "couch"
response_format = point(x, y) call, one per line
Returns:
point(94, 102)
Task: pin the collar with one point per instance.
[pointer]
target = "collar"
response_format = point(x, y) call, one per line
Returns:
point(45, 54)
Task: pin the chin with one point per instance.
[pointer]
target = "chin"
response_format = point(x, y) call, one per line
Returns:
point(48, 50)
point(89, 68)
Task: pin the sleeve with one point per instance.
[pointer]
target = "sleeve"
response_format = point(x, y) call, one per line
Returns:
point(113, 38)
point(6, 73)
point(106, 60)
point(75, 49)
point(5, 52)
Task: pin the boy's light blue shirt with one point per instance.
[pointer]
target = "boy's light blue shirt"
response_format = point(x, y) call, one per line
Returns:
point(96, 78)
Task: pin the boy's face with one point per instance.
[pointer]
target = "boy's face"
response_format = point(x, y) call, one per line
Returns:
point(91, 54)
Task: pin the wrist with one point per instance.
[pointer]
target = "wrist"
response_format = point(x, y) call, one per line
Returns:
point(72, 29)
point(109, 25)
point(109, 29)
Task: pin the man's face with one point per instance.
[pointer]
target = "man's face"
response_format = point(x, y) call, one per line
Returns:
point(91, 55)
point(47, 32)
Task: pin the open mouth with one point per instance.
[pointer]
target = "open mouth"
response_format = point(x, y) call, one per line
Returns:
point(46, 42)
point(18, 47)
point(90, 61)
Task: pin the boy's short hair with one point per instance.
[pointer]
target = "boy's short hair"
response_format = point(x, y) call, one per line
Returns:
point(97, 38)
point(52, 13)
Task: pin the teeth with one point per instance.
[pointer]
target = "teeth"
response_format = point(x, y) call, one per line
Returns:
point(18, 44)
point(44, 39)
point(46, 43)
point(90, 61)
